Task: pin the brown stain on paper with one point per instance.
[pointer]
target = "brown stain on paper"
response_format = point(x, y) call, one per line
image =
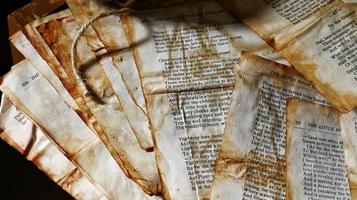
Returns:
point(352, 183)
point(128, 168)
point(343, 101)
point(68, 180)
point(56, 41)
point(251, 159)
point(62, 75)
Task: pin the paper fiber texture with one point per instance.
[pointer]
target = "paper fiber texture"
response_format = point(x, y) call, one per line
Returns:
point(317, 37)
point(25, 86)
point(22, 134)
point(55, 36)
point(251, 162)
point(315, 159)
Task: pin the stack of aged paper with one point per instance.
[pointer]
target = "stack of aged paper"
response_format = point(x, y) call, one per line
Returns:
point(192, 100)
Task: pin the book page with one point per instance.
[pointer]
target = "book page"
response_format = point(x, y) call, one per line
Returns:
point(268, 17)
point(42, 32)
point(22, 134)
point(57, 77)
point(251, 162)
point(315, 160)
point(187, 57)
point(114, 55)
point(316, 37)
point(349, 130)
point(55, 33)
point(79, 143)
point(326, 54)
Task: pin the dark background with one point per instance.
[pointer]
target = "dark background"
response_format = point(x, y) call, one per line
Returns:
point(19, 178)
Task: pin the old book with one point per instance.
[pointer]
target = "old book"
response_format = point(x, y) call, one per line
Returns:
point(77, 141)
point(53, 38)
point(186, 57)
point(315, 160)
point(251, 163)
point(22, 134)
point(317, 37)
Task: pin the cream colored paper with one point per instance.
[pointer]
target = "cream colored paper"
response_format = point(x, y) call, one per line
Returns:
point(317, 37)
point(315, 159)
point(251, 162)
point(28, 50)
point(31, 92)
point(22, 134)
point(55, 34)
point(349, 130)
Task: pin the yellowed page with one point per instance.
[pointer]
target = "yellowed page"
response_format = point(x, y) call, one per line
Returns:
point(22, 134)
point(251, 162)
point(129, 92)
point(269, 17)
point(56, 77)
point(316, 37)
point(187, 57)
point(326, 54)
point(55, 34)
point(31, 92)
point(349, 130)
point(315, 159)
point(187, 72)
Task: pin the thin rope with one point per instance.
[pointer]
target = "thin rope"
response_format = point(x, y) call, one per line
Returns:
point(79, 35)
